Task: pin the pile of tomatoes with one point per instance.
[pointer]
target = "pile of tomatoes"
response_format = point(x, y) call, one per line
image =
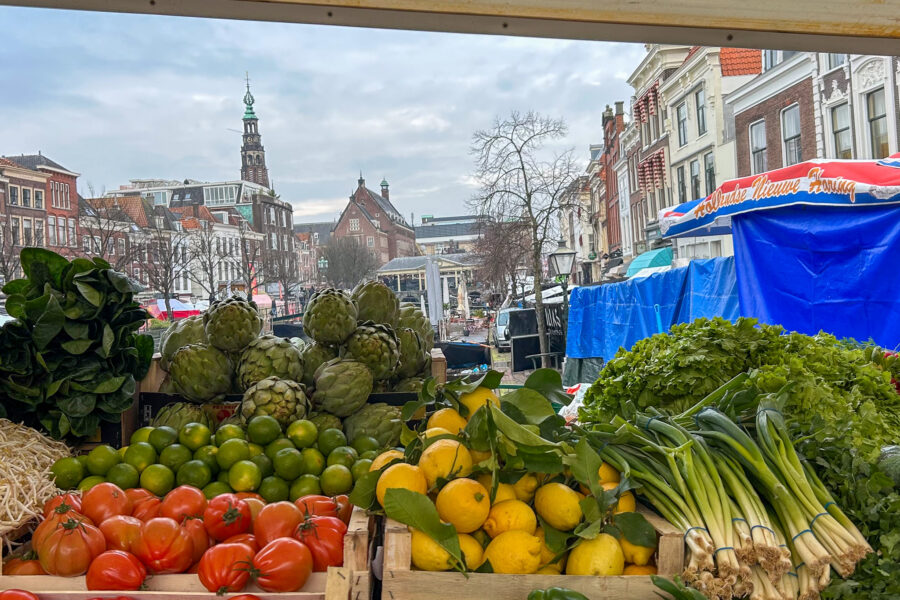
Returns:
point(117, 538)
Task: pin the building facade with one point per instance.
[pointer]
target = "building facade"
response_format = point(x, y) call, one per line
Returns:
point(575, 227)
point(23, 213)
point(253, 154)
point(598, 249)
point(613, 126)
point(447, 235)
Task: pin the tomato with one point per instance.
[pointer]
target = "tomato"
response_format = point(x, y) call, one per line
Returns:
point(138, 494)
point(164, 546)
point(23, 566)
point(105, 500)
point(225, 568)
point(246, 495)
point(195, 568)
point(255, 507)
point(183, 502)
point(245, 597)
point(17, 595)
point(121, 532)
point(200, 538)
point(283, 565)
point(227, 515)
point(324, 536)
point(345, 508)
point(73, 500)
point(69, 549)
point(116, 570)
point(146, 508)
point(60, 514)
point(244, 538)
point(279, 519)
point(320, 506)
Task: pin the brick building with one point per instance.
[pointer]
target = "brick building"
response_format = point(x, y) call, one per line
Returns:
point(613, 126)
point(22, 214)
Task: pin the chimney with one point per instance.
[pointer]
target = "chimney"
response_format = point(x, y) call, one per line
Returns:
point(384, 189)
point(620, 107)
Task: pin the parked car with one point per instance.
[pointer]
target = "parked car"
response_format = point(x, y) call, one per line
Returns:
point(499, 329)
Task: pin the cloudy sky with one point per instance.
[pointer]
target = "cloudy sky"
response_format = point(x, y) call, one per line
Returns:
point(119, 97)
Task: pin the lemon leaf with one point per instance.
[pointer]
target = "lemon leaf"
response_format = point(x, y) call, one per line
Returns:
point(418, 511)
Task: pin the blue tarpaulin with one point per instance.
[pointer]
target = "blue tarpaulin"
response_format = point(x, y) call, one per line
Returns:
point(652, 258)
point(604, 318)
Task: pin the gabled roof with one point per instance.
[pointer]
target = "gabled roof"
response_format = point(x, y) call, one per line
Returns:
point(740, 61)
point(323, 229)
point(443, 230)
point(36, 161)
point(387, 207)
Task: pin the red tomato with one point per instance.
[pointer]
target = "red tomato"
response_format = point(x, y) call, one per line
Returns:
point(227, 515)
point(317, 506)
point(183, 502)
point(116, 570)
point(23, 566)
point(244, 538)
point(195, 568)
point(60, 514)
point(121, 532)
point(200, 538)
point(279, 519)
point(105, 500)
point(70, 548)
point(146, 508)
point(73, 500)
point(324, 536)
point(246, 495)
point(283, 565)
point(245, 597)
point(17, 595)
point(164, 546)
point(345, 508)
point(225, 568)
point(138, 494)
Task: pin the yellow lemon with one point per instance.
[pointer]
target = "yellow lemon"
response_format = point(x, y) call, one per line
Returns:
point(478, 455)
point(600, 556)
point(608, 474)
point(427, 554)
point(436, 431)
point(475, 400)
point(548, 570)
point(384, 458)
point(638, 555)
point(463, 503)
point(514, 551)
point(525, 487)
point(547, 554)
point(504, 490)
point(401, 475)
point(510, 515)
point(448, 419)
point(445, 459)
point(626, 501)
point(558, 505)
point(473, 553)
point(639, 570)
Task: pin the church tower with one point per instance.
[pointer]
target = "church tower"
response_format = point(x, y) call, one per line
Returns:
point(253, 155)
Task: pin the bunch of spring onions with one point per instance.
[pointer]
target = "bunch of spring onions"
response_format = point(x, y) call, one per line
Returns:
point(758, 523)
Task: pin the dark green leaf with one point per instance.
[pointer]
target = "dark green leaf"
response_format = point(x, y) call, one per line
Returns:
point(49, 324)
point(586, 467)
point(144, 345)
point(17, 286)
point(478, 432)
point(548, 382)
point(90, 293)
point(100, 262)
point(541, 460)
point(512, 411)
point(636, 529)
point(363, 494)
point(52, 262)
point(110, 385)
point(515, 432)
point(485, 567)
point(557, 541)
point(109, 339)
point(15, 306)
point(114, 404)
point(407, 435)
point(84, 426)
point(76, 330)
point(77, 347)
point(589, 530)
point(531, 404)
point(418, 511)
point(411, 408)
point(77, 405)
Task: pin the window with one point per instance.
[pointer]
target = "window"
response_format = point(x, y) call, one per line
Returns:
point(709, 166)
point(53, 194)
point(26, 197)
point(61, 231)
point(700, 99)
point(121, 245)
point(877, 116)
point(758, 147)
point(27, 240)
point(840, 129)
point(39, 232)
point(51, 231)
point(86, 244)
point(222, 194)
point(774, 57)
point(97, 246)
point(836, 60)
point(137, 274)
point(370, 241)
point(38, 198)
point(354, 224)
point(790, 132)
point(66, 198)
point(695, 179)
point(178, 226)
point(681, 116)
point(273, 241)
point(73, 239)
point(682, 191)
point(13, 195)
point(15, 231)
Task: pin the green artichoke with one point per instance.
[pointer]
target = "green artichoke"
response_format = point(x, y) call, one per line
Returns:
point(178, 414)
point(200, 373)
point(380, 421)
point(180, 333)
point(377, 303)
point(342, 387)
point(324, 421)
point(232, 324)
point(281, 398)
point(314, 355)
point(269, 356)
point(330, 317)
point(375, 346)
point(412, 316)
point(412, 384)
point(412, 353)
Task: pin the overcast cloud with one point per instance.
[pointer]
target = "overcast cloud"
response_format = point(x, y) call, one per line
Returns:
point(119, 97)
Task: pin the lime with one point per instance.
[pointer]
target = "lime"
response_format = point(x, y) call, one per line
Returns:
point(207, 455)
point(216, 488)
point(360, 468)
point(124, 475)
point(122, 452)
point(263, 429)
point(195, 473)
point(231, 451)
point(158, 479)
point(369, 454)
point(141, 435)
point(303, 433)
point(101, 459)
point(331, 439)
point(265, 465)
point(227, 432)
point(244, 476)
point(336, 479)
point(223, 477)
point(288, 464)
point(343, 455)
point(313, 461)
point(140, 455)
point(364, 443)
point(67, 473)
point(162, 436)
point(304, 485)
point(273, 489)
point(194, 436)
point(89, 482)
point(279, 444)
point(82, 458)
point(255, 449)
point(174, 456)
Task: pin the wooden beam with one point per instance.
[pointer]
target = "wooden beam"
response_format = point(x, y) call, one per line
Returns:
point(863, 26)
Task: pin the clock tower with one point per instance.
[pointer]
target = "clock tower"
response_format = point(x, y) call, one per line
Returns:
point(253, 155)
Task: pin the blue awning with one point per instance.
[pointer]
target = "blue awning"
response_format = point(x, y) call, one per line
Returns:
point(652, 258)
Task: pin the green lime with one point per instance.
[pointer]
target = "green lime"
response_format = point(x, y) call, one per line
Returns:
point(364, 443)
point(140, 455)
point(141, 435)
point(122, 452)
point(124, 475)
point(228, 431)
point(89, 482)
point(336, 479)
point(244, 476)
point(195, 473)
point(263, 429)
point(331, 439)
point(231, 451)
point(162, 436)
point(343, 455)
point(360, 468)
point(207, 455)
point(174, 456)
point(273, 489)
point(194, 436)
point(101, 459)
point(369, 454)
point(303, 433)
point(67, 473)
point(279, 444)
point(216, 488)
point(222, 476)
point(288, 464)
point(265, 465)
point(304, 485)
point(313, 461)
point(82, 458)
point(158, 479)
point(255, 449)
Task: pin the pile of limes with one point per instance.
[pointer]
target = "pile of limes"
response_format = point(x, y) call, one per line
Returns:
point(260, 457)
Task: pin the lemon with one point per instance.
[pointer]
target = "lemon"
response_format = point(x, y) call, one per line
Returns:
point(478, 455)
point(463, 503)
point(510, 515)
point(637, 555)
point(427, 554)
point(448, 419)
point(514, 551)
point(608, 474)
point(436, 431)
point(639, 570)
point(384, 458)
point(475, 400)
point(445, 459)
point(548, 570)
point(504, 490)
point(473, 553)
point(558, 505)
point(525, 487)
point(401, 475)
point(547, 554)
point(626, 499)
point(600, 556)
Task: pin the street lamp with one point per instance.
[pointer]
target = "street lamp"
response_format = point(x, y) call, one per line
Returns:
point(323, 266)
point(562, 260)
point(522, 271)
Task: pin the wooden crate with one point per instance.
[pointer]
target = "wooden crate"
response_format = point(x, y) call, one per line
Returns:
point(402, 583)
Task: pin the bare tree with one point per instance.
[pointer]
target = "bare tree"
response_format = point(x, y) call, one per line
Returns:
point(521, 179)
point(349, 262)
point(167, 255)
point(205, 258)
point(104, 221)
point(281, 267)
point(248, 260)
point(10, 247)
point(501, 247)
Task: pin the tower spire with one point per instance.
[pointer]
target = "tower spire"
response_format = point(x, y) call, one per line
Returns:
point(253, 155)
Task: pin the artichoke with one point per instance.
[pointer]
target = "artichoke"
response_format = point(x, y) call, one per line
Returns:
point(280, 398)
point(324, 421)
point(375, 346)
point(178, 414)
point(342, 387)
point(381, 387)
point(269, 356)
point(200, 373)
point(413, 384)
point(232, 324)
point(330, 317)
point(412, 353)
point(376, 303)
point(180, 333)
point(380, 421)
point(412, 316)
point(314, 355)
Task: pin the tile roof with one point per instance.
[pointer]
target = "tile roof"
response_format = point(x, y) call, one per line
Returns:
point(8, 163)
point(740, 61)
point(690, 53)
point(35, 161)
point(442, 230)
point(323, 229)
point(387, 207)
